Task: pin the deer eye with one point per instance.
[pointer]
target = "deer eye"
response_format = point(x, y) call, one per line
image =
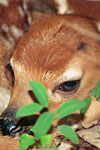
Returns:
point(69, 86)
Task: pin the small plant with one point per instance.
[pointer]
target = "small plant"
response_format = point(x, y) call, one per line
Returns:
point(41, 139)
point(96, 91)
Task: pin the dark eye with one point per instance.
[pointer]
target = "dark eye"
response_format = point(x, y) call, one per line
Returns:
point(69, 86)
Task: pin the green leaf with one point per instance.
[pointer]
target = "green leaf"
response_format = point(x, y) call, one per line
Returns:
point(85, 107)
point(40, 93)
point(69, 133)
point(69, 107)
point(46, 139)
point(29, 110)
point(25, 142)
point(43, 124)
point(33, 129)
point(97, 91)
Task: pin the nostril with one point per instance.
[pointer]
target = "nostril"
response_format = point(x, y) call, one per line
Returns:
point(8, 126)
point(8, 123)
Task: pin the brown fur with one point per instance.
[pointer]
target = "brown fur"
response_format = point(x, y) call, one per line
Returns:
point(49, 48)
point(56, 39)
point(87, 8)
point(13, 24)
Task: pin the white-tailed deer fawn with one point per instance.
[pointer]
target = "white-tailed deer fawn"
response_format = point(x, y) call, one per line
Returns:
point(63, 53)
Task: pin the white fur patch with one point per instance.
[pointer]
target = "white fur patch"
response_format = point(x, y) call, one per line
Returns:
point(11, 61)
point(4, 98)
point(16, 31)
point(4, 2)
point(98, 26)
point(17, 66)
point(21, 11)
point(63, 7)
point(72, 74)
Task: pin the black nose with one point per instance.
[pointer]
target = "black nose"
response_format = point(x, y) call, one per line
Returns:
point(7, 121)
point(7, 126)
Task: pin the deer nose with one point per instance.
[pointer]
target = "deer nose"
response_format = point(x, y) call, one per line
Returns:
point(7, 126)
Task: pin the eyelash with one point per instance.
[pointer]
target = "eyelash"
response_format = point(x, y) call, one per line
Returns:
point(69, 87)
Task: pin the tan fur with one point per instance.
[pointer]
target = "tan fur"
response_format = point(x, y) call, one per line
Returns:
point(56, 39)
point(46, 52)
point(9, 143)
point(5, 84)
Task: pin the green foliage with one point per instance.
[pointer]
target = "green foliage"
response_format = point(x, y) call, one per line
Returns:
point(69, 133)
point(40, 93)
point(85, 107)
point(69, 107)
point(97, 91)
point(30, 109)
point(46, 139)
point(43, 124)
point(25, 142)
point(45, 120)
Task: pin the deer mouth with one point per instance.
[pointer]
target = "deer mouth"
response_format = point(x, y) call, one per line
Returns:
point(15, 129)
point(9, 127)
